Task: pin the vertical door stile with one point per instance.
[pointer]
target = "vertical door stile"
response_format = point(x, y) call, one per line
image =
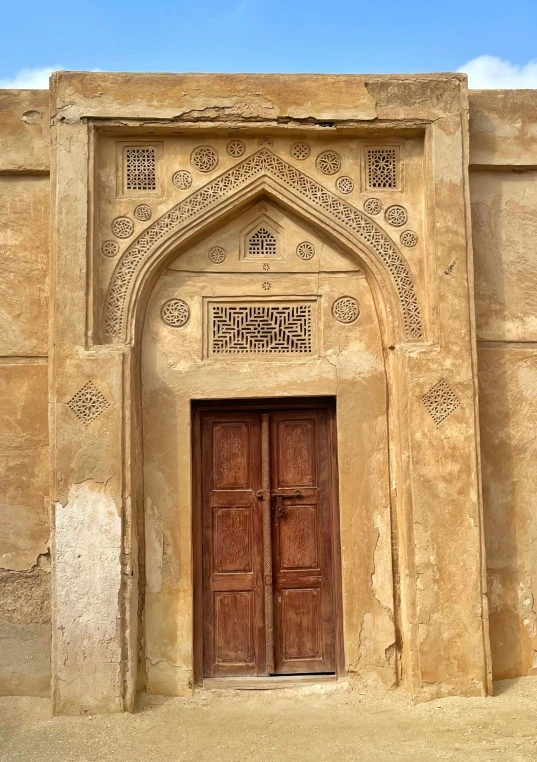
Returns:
point(267, 543)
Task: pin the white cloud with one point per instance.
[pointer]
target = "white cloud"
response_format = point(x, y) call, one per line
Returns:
point(30, 79)
point(486, 72)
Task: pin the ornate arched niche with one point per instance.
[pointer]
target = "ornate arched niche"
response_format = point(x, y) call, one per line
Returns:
point(368, 225)
point(330, 345)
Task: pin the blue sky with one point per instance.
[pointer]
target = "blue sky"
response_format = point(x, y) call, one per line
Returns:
point(272, 36)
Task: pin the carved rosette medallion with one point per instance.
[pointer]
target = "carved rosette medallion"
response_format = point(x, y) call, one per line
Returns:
point(346, 309)
point(217, 255)
point(204, 158)
point(123, 227)
point(110, 248)
point(409, 238)
point(235, 148)
point(345, 185)
point(329, 162)
point(396, 215)
point(372, 206)
point(305, 250)
point(300, 151)
point(143, 212)
point(182, 179)
point(175, 313)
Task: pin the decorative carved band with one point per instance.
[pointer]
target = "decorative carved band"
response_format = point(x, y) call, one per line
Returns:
point(262, 162)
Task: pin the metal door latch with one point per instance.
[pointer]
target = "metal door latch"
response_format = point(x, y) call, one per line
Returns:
point(278, 496)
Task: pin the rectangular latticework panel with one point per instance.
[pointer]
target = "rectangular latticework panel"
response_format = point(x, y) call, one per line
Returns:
point(381, 167)
point(140, 169)
point(284, 329)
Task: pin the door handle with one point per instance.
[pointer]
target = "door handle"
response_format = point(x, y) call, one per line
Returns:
point(278, 496)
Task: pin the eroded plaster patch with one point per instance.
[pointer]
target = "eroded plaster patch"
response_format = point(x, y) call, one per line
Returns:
point(87, 580)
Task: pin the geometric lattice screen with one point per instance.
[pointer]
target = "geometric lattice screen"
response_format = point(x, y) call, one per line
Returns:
point(140, 169)
point(381, 168)
point(260, 328)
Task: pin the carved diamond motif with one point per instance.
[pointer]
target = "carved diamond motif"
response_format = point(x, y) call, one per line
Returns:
point(88, 403)
point(440, 401)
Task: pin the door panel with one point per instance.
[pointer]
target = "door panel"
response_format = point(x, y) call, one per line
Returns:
point(268, 598)
point(235, 629)
point(230, 452)
point(295, 453)
point(298, 537)
point(232, 540)
point(301, 617)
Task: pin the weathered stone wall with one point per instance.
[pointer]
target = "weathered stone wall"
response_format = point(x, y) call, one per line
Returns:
point(503, 163)
point(24, 466)
point(503, 190)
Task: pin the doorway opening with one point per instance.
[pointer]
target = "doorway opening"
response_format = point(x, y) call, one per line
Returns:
point(266, 540)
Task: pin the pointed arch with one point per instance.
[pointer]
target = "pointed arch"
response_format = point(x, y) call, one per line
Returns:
point(263, 166)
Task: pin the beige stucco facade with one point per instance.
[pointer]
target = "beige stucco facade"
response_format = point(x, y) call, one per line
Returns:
point(392, 221)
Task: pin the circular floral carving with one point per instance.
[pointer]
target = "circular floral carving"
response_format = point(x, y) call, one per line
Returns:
point(142, 212)
point(235, 148)
point(267, 285)
point(372, 206)
point(123, 227)
point(182, 179)
point(266, 266)
point(110, 248)
point(175, 312)
point(300, 151)
point(266, 141)
point(329, 162)
point(217, 254)
point(409, 238)
point(396, 215)
point(305, 250)
point(346, 309)
point(345, 185)
point(204, 158)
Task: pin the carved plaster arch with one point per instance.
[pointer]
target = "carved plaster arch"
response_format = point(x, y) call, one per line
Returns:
point(261, 165)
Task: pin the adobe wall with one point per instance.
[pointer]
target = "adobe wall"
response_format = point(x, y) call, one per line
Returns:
point(503, 191)
point(25, 631)
point(503, 185)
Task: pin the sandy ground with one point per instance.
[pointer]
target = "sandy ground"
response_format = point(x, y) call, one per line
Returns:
point(313, 723)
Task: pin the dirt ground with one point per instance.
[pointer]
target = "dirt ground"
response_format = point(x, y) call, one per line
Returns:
point(328, 722)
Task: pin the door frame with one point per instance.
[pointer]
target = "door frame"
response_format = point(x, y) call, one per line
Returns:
point(266, 404)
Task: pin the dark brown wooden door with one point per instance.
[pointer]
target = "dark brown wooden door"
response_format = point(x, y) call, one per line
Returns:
point(267, 517)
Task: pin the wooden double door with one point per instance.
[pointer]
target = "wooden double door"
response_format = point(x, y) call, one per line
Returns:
point(268, 521)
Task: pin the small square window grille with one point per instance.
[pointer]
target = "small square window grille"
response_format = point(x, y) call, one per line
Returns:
point(262, 244)
point(140, 169)
point(381, 167)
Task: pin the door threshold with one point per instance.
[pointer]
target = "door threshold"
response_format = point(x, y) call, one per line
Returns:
point(265, 683)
